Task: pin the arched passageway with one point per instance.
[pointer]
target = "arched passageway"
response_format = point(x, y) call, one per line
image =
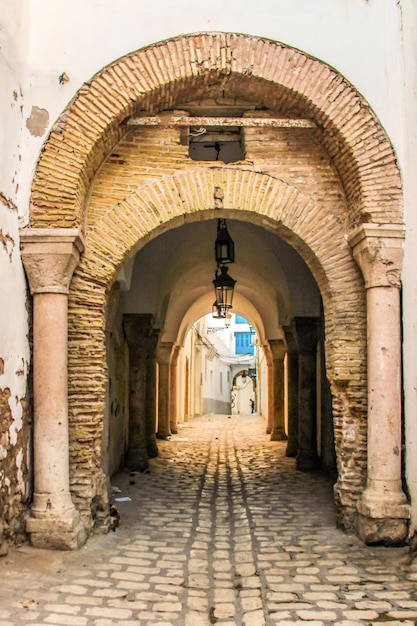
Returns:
point(316, 170)
point(274, 288)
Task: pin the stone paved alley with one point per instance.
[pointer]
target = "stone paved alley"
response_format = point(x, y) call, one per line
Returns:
point(222, 530)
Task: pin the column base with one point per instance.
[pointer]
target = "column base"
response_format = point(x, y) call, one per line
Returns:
point(292, 449)
point(137, 460)
point(278, 434)
point(164, 436)
point(55, 533)
point(152, 449)
point(384, 523)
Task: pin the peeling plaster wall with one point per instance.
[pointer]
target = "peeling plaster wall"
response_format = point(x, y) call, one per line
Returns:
point(14, 348)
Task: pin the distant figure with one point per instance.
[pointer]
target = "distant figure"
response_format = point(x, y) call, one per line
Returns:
point(252, 405)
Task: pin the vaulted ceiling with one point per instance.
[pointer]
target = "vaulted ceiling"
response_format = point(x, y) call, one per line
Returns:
point(171, 278)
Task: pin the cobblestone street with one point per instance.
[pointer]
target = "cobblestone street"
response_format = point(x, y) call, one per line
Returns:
point(222, 530)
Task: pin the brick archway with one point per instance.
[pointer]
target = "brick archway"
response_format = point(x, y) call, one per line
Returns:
point(162, 77)
point(249, 196)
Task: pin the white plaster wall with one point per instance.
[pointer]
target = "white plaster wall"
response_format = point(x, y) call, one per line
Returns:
point(359, 38)
point(14, 349)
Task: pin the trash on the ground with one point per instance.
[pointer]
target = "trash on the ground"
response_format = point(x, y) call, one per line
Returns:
point(123, 499)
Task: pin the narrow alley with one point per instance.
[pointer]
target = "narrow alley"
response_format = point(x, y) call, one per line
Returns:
point(223, 530)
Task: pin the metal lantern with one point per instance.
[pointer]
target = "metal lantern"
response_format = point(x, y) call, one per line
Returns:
point(224, 287)
point(224, 246)
point(216, 311)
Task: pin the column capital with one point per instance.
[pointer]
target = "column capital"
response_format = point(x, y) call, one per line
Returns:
point(175, 353)
point(291, 337)
point(50, 256)
point(278, 349)
point(164, 352)
point(378, 250)
point(138, 328)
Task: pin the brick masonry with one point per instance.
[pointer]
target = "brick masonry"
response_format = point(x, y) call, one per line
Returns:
point(310, 187)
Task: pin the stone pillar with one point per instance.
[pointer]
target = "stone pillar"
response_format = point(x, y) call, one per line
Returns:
point(164, 358)
point(327, 436)
point(152, 396)
point(278, 350)
point(138, 329)
point(383, 511)
point(50, 257)
point(173, 390)
point(270, 388)
point(307, 337)
point(292, 361)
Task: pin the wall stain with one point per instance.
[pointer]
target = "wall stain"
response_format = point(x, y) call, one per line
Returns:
point(8, 243)
point(38, 121)
point(9, 204)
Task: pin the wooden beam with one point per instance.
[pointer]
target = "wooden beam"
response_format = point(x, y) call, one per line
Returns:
point(184, 120)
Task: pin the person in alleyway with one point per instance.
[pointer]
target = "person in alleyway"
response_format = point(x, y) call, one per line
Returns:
point(252, 405)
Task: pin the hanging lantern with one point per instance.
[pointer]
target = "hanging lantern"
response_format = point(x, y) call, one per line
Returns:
point(224, 288)
point(216, 311)
point(224, 246)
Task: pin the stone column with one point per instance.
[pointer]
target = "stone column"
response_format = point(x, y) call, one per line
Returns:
point(152, 396)
point(292, 361)
point(383, 511)
point(270, 388)
point(278, 350)
point(50, 257)
point(307, 455)
point(173, 390)
point(164, 357)
point(138, 329)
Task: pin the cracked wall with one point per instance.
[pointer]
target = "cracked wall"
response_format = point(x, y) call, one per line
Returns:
point(14, 487)
point(14, 370)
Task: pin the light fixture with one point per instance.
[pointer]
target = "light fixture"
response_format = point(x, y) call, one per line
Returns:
point(220, 312)
point(224, 284)
point(224, 246)
point(224, 288)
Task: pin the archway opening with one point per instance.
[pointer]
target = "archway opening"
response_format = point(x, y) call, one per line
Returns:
point(185, 363)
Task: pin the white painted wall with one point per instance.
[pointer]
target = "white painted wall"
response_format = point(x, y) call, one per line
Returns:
point(359, 38)
point(14, 348)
